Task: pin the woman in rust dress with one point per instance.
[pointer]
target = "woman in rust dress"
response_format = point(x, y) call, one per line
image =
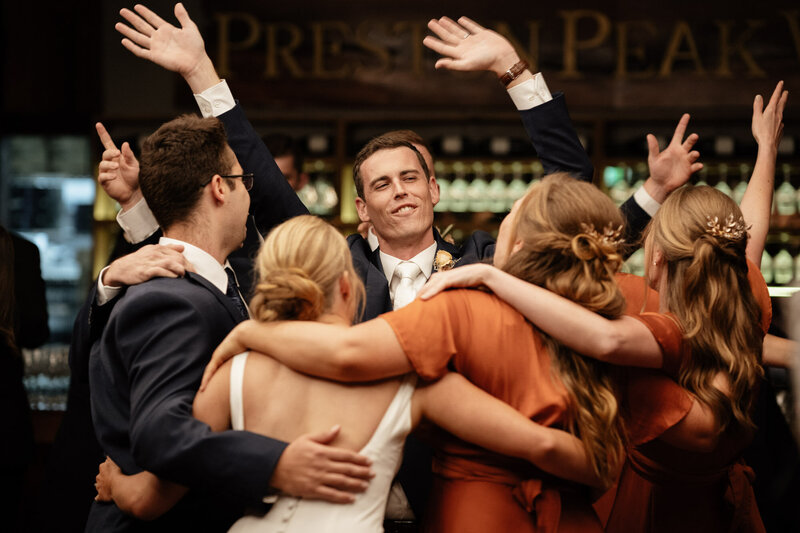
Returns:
point(714, 312)
point(542, 240)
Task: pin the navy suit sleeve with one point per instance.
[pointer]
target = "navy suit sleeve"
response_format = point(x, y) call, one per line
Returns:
point(555, 140)
point(164, 358)
point(272, 200)
point(636, 220)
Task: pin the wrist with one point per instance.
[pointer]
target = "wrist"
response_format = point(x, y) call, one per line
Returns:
point(108, 277)
point(657, 191)
point(504, 62)
point(202, 76)
point(135, 197)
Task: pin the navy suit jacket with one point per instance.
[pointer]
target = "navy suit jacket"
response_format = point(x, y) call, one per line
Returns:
point(144, 373)
point(76, 453)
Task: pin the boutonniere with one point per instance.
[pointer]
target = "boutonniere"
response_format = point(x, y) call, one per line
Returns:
point(443, 261)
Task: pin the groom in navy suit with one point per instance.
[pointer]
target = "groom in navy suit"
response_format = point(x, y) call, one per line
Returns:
point(146, 367)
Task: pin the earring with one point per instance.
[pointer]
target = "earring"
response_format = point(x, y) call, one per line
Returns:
point(654, 263)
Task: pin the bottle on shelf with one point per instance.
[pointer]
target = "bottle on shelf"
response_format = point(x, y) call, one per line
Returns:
point(766, 267)
point(458, 200)
point(722, 180)
point(517, 188)
point(741, 187)
point(497, 189)
point(786, 195)
point(782, 267)
point(477, 192)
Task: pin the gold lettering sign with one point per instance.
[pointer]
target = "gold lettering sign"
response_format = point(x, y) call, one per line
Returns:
point(582, 41)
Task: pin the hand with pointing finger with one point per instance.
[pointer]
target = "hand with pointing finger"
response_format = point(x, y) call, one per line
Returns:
point(672, 167)
point(118, 171)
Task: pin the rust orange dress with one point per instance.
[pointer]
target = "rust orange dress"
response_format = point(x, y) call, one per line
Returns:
point(483, 338)
point(666, 489)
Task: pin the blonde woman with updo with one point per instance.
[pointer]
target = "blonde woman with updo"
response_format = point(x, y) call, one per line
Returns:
point(488, 342)
point(305, 273)
point(714, 311)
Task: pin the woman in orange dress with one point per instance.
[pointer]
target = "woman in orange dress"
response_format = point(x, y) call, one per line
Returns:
point(714, 312)
point(483, 338)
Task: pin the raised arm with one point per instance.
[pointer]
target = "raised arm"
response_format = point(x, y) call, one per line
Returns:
point(182, 50)
point(623, 341)
point(364, 352)
point(757, 200)
point(458, 406)
point(669, 169)
point(467, 46)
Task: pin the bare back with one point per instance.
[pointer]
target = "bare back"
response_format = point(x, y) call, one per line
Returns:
point(285, 404)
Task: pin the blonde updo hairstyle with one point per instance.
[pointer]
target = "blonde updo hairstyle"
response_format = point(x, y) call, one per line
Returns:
point(709, 293)
point(298, 269)
point(570, 246)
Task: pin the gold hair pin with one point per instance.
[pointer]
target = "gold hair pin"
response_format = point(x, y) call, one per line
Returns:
point(609, 236)
point(731, 229)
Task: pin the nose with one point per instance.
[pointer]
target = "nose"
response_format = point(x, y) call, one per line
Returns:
point(399, 188)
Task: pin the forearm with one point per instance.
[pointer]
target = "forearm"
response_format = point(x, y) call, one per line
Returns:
point(144, 495)
point(365, 352)
point(779, 351)
point(471, 414)
point(756, 203)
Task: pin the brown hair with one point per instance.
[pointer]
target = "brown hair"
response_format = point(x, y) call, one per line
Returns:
point(709, 292)
point(177, 160)
point(298, 270)
point(388, 141)
point(561, 222)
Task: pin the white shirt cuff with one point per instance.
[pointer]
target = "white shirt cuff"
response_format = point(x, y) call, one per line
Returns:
point(646, 202)
point(105, 293)
point(530, 93)
point(138, 222)
point(215, 100)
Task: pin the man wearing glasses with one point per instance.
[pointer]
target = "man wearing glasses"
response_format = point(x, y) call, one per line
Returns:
point(145, 369)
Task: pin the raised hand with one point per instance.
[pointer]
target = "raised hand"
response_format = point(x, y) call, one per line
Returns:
point(672, 167)
point(180, 50)
point(467, 46)
point(118, 171)
point(767, 124)
point(309, 468)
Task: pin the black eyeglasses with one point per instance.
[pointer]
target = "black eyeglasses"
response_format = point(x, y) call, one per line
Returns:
point(247, 180)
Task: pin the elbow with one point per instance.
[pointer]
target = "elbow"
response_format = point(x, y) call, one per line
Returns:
point(144, 508)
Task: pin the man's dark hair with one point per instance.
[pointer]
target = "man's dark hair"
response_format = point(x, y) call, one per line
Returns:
point(388, 141)
point(280, 145)
point(177, 160)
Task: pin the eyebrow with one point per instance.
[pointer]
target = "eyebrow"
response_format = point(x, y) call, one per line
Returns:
point(402, 173)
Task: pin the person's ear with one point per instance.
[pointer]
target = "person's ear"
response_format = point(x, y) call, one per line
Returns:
point(361, 209)
point(218, 188)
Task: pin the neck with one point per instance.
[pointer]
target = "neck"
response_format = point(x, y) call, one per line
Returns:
point(199, 235)
point(405, 250)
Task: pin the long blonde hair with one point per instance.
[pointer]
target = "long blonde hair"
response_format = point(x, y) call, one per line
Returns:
point(561, 223)
point(298, 269)
point(709, 293)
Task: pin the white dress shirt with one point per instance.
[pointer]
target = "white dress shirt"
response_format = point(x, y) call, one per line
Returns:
point(424, 260)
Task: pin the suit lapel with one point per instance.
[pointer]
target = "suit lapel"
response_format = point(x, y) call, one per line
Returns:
point(220, 296)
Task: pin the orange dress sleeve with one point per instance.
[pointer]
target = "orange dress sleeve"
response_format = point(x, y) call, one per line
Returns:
point(427, 332)
point(653, 403)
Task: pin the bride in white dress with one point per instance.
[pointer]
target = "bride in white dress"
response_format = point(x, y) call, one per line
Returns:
point(305, 273)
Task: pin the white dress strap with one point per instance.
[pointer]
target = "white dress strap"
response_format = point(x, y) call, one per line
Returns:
point(237, 380)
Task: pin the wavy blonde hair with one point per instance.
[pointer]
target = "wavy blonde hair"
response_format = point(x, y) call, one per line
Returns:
point(709, 292)
point(562, 253)
point(298, 269)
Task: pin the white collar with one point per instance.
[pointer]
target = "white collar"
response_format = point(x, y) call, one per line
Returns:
point(204, 263)
point(372, 239)
point(424, 260)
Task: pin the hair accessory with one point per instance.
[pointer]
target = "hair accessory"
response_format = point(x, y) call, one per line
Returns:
point(609, 236)
point(731, 229)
